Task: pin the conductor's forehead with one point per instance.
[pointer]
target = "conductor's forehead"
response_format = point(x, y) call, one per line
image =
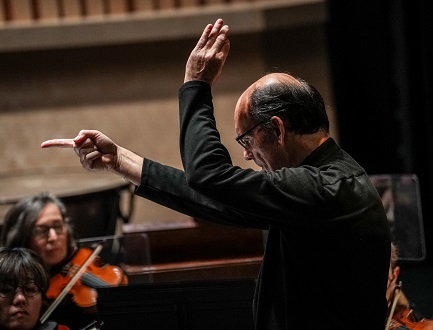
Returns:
point(242, 116)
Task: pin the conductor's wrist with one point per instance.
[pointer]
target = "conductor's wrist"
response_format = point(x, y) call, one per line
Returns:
point(128, 165)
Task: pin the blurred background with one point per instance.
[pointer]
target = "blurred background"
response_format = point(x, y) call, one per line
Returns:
point(116, 66)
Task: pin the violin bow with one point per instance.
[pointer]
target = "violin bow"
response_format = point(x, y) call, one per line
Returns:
point(95, 325)
point(397, 292)
point(71, 283)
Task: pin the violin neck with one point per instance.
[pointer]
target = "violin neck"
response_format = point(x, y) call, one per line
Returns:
point(93, 281)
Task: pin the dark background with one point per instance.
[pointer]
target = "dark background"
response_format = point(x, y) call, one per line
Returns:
point(381, 61)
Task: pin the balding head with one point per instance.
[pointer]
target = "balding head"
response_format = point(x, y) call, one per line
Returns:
point(298, 102)
point(280, 120)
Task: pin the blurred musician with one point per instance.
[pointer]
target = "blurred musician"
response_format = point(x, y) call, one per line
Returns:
point(400, 313)
point(39, 223)
point(23, 283)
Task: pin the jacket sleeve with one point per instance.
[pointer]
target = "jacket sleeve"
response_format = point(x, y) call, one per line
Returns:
point(167, 186)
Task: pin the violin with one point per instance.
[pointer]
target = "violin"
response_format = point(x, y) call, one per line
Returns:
point(404, 320)
point(94, 276)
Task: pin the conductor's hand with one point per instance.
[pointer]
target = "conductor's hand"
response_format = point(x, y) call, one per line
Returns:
point(96, 150)
point(209, 55)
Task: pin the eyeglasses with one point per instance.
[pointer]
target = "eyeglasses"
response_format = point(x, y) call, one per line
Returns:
point(41, 232)
point(29, 290)
point(241, 138)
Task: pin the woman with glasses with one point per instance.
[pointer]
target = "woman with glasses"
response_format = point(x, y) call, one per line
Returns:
point(39, 223)
point(23, 283)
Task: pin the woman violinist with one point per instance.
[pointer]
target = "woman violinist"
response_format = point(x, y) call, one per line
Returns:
point(39, 223)
point(400, 314)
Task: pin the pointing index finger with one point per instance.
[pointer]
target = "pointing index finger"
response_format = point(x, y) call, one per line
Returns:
point(59, 143)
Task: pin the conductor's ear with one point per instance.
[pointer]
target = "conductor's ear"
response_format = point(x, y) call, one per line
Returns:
point(279, 128)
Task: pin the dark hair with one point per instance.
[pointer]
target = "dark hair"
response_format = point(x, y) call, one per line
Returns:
point(299, 104)
point(17, 264)
point(21, 218)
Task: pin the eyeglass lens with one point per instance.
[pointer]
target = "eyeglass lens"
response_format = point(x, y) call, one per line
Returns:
point(42, 231)
point(241, 138)
point(29, 290)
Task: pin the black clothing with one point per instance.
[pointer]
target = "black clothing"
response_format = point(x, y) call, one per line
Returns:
point(71, 315)
point(328, 248)
point(49, 325)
